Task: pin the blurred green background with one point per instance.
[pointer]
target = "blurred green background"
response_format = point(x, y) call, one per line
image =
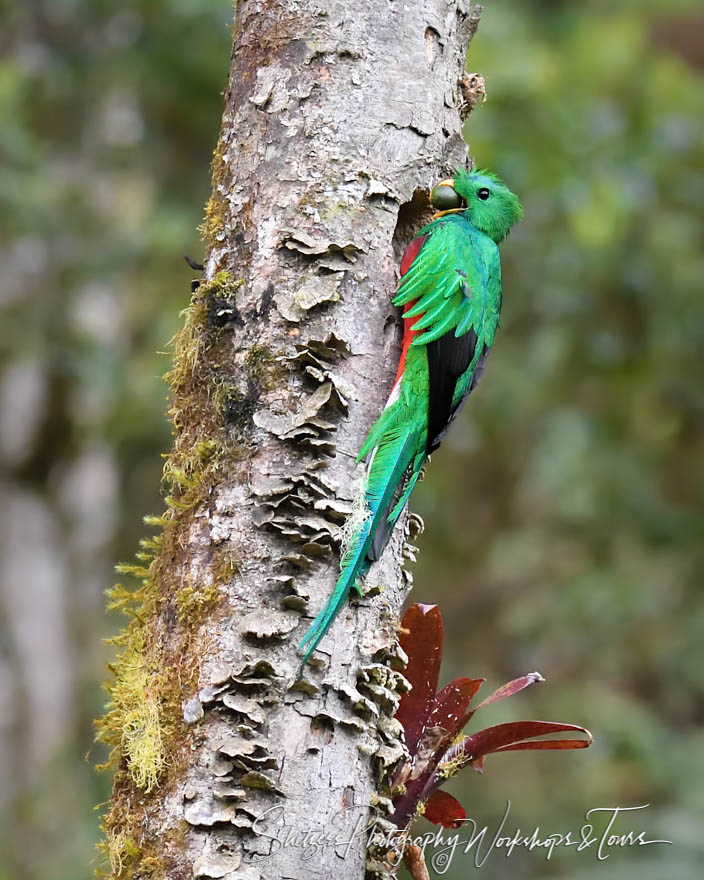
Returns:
point(564, 513)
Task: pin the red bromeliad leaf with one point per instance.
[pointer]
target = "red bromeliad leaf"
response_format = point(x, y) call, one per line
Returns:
point(478, 765)
point(421, 638)
point(536, 745)
point(450, 709)
point(442, 809)
point(448, 715)
point(548, 745)
point(508, 737)
point(511, 688)
point(432, 721)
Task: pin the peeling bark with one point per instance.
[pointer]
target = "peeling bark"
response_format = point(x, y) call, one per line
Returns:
point(338, 117)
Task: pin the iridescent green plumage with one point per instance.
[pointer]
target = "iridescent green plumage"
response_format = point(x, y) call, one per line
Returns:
point(451, 289)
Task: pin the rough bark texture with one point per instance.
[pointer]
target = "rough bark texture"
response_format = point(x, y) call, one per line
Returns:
point(336, 114)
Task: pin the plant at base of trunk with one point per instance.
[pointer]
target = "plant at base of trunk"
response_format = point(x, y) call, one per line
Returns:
point(433, 720)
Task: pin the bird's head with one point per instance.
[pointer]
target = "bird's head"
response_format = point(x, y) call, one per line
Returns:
point(486, 202)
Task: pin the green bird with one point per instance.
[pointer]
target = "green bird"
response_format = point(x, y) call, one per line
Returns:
point(450, 288)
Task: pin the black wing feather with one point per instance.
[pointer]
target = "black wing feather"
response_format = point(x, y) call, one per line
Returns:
point(448, 358)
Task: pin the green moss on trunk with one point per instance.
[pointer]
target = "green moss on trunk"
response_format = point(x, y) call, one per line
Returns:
point(143, 724)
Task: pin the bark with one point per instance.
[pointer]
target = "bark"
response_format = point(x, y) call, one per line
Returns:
point(338, 116)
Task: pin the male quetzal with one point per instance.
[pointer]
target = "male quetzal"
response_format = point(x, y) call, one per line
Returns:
point(450, 287)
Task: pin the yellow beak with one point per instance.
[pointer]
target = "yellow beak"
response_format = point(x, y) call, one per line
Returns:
point(449, 211)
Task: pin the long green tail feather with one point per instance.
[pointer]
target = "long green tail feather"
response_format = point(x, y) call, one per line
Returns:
point(403, 500)
point(387, 468)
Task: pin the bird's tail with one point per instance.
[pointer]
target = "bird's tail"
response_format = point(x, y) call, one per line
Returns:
point(389, 463)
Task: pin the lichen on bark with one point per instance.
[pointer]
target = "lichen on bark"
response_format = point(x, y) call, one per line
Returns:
point(337, 119)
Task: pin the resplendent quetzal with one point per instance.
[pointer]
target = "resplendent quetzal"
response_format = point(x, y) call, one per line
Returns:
point(450, 287)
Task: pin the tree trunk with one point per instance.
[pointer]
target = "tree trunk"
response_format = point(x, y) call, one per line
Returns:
point(337, 119)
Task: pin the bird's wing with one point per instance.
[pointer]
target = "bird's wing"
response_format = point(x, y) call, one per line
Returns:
point(453, 287)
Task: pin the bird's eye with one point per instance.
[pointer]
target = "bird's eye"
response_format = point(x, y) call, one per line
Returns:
point(483, 193)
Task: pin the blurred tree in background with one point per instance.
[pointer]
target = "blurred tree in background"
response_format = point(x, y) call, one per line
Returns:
point(564, 514)
point(573, 541)
point(110, 115)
